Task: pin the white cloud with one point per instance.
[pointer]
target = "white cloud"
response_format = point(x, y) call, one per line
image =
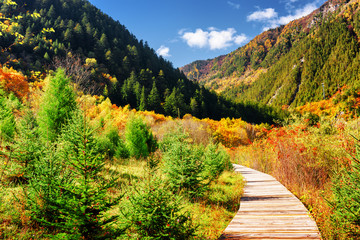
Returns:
point(307, 9)
point(163, 51)
point(271, 19)
point(197, 39)
point(181, 31)
point(261, 15)
point(221, 39)
point(240, 39)
point(234, 5)
point(213, 39)
point(289, 4)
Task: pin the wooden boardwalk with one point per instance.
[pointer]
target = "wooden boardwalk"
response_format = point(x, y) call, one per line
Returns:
point(269, 211)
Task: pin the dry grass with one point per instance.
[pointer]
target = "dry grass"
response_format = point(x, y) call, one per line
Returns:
point(219, 205)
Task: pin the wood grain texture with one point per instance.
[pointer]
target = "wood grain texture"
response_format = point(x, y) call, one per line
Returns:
point(269, 211)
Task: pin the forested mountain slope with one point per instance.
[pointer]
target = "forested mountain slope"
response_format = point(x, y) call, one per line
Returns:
point(122, 67)
point(293, 64)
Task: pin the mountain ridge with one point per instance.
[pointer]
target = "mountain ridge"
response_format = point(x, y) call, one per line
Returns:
point(126, 70)
point(236, 73)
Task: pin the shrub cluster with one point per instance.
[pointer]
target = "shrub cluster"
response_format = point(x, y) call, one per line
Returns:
point(190, 168)
point(60, 160)
point(56, 158)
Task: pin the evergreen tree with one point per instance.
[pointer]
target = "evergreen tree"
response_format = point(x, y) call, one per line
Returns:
point(183, 163)
point(51, 12)
point(216, 161)
point(57, 106)
point(154, 101)
point(194, 106)
point(7, 120)
point(68, 34)
point(84, 213)
point(156, 213)
point(103, 42)
point(45, 193)
point(28, 149)
point(175, 104)
point(143, 104)
point(139, 138)
point(128, 90)
point(47, 57)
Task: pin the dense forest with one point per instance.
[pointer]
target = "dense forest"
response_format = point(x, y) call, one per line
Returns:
point(79, 37)
point(307, 60)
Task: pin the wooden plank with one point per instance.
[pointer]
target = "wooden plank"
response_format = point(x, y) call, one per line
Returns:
point(269, 211)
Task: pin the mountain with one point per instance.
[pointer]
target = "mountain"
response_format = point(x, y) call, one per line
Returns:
point(77, 36)
point(300, 62)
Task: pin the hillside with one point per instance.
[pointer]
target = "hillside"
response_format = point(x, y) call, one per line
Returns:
point(107, 58)
point(290, 65)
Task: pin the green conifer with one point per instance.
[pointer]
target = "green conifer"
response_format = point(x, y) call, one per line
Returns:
point(57, 106)
point(139, 138)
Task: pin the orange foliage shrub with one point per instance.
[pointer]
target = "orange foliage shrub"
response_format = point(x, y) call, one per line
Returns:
point(13, 82)
point(345, 103)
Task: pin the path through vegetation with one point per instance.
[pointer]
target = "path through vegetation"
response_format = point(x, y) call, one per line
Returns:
point(269, 211)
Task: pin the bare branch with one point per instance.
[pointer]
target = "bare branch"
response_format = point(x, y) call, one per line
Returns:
point(79, 72)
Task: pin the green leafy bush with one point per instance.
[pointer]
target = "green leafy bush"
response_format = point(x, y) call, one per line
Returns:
point(183, 164)
point(113, 145)
point(216, 161)
point(139, 138)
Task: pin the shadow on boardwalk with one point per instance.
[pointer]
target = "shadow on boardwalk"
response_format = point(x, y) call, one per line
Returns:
point(269, 211)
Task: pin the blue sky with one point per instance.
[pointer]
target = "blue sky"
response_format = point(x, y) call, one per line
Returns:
point(183, 31)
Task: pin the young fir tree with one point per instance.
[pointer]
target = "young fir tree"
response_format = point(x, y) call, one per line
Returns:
point(216, 161)
point(57, 106)
point(45, 192)
point(155, 212)
point(154, 101)
point(142, 103)
point(7, 120)
point(139, 138)
point(27, 149)
point(84, 214)
point(66, 192)
point(183, 164)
